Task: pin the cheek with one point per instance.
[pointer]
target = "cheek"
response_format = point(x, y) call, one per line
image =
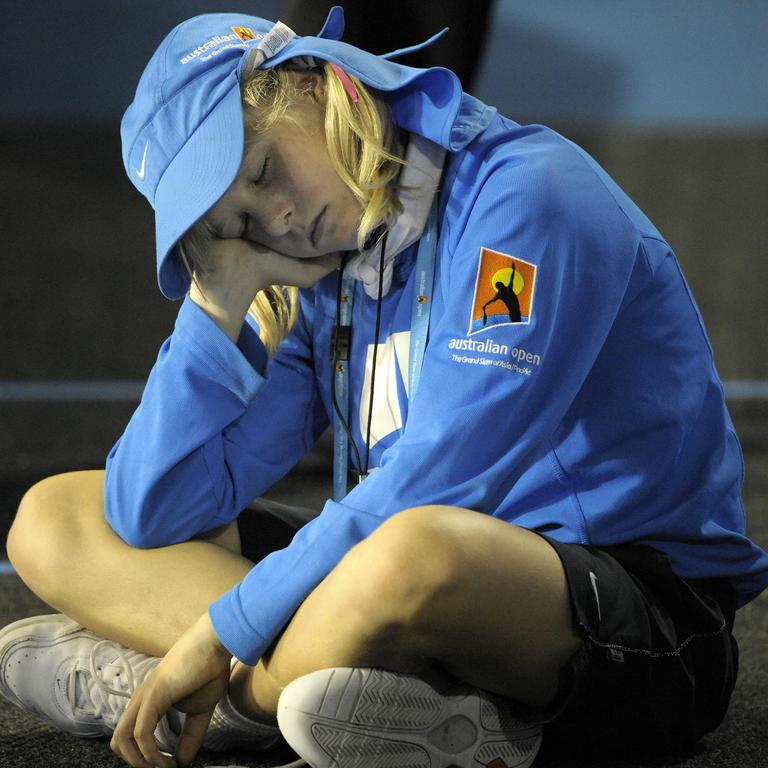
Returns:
point(225, 215)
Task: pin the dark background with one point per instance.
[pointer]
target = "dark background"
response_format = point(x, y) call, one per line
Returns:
point(671, 96)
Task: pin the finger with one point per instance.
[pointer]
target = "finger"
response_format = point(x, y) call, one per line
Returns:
point(152, 754)
point(191, 738)
point(144, 734)
point(128, 751)
point(303, 272)
point(251, 250)
point(122, 743)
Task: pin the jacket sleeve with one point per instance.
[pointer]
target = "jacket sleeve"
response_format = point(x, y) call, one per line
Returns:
point(217, 425)
point(477, 418)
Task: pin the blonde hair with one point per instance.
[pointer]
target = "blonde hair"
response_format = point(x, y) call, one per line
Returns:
point(363, 147)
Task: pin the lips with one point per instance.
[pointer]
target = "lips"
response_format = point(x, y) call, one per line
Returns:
point(316, 231)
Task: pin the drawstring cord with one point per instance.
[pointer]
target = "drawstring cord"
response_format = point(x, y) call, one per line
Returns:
point(362, 469)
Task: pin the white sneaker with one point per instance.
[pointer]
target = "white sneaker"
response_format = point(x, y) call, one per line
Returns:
point(72, 678)
point(359, 717)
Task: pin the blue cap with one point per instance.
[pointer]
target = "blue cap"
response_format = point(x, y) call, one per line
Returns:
point(183, 134)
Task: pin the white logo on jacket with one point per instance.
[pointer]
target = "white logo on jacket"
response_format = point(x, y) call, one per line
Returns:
point(391, 380)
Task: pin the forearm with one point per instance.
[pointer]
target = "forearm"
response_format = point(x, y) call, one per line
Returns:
point(175, 446)
point(226, 308)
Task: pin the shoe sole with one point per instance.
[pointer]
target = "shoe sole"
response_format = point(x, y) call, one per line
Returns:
point(372, 718)
point(8, 644)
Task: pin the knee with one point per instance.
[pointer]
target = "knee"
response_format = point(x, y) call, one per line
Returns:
point(407, 565)
point(38, 542)
point(27, 544)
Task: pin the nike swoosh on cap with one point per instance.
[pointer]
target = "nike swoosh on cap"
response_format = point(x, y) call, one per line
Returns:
point(140, 171)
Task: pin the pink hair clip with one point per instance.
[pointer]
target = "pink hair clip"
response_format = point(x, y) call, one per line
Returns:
point(346, 82)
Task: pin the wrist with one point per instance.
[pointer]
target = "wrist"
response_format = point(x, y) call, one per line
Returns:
point(229, 315)
point(212, 641)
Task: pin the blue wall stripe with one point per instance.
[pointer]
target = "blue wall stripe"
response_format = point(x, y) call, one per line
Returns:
point(746, 389)
point(125, 390)
point(70, 391)
point(6, 568)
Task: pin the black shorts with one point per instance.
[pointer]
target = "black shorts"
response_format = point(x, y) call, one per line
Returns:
point(658, 664)
point(659, 660)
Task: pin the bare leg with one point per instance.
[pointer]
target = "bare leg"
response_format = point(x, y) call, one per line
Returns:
point(66, 552)
point(486, 600)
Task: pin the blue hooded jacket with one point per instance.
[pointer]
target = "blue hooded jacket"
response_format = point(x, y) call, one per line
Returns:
point(587, 407)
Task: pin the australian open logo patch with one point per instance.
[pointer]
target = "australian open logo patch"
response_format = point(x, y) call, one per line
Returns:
point(244, 33)
point(503, 291)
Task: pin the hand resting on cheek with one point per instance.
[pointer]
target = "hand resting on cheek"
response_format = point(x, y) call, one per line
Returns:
point(235, 270)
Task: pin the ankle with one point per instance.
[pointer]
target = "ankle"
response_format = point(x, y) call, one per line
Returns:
point(243, 695)
point(233, 728)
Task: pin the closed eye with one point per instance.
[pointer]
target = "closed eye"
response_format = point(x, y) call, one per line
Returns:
point(263, 172)
point(210, 230)
point(245, 219)
point(245, 223)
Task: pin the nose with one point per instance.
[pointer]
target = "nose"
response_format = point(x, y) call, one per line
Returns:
point(275, 213)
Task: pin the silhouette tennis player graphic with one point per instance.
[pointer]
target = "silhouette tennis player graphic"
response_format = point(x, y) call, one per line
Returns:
point(506, 294)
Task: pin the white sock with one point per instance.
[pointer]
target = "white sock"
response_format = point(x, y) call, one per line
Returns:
point(231, 730)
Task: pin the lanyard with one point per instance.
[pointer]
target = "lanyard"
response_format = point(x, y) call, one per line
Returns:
point(420, 311)
point(422, 300)
point(341, 386)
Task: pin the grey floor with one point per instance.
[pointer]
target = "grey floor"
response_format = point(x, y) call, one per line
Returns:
point(741, 741)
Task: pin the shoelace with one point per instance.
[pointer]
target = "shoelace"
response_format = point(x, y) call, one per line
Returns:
point(103, 699)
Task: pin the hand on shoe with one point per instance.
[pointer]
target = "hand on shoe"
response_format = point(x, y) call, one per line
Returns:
point(192, 677)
